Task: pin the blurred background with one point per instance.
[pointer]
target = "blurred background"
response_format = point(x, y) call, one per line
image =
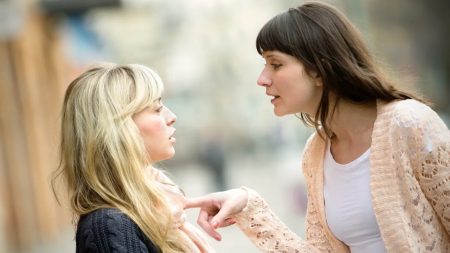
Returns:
point(204, 50)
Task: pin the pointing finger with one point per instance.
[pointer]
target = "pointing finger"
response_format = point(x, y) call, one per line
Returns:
point(195, 202)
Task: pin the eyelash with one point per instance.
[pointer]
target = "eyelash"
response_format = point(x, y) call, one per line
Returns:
point(276, 66)
point(159, 109)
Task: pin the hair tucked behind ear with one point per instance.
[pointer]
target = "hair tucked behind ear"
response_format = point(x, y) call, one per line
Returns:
point(327, 44)
point(103, 159)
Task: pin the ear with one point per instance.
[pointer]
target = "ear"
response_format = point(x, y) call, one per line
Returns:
point(318, 81)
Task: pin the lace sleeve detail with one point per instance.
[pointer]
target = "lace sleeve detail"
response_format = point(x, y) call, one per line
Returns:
point(423, 143)
point(434, 168)
point(266, 230)
point(435, 178)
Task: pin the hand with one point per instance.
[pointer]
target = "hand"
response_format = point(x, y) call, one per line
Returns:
point(218, 209)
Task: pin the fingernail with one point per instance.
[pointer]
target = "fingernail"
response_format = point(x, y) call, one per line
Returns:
point(215, 224)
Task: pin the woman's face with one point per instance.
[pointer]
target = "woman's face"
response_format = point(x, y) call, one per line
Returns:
point(291, 89)
point(155, 124)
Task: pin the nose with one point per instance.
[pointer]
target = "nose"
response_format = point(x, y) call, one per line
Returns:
point(263, 79)
point(170, 117)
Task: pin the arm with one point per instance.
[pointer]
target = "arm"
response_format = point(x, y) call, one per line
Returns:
point(109, 230)
point(266, 230)
point(253, 216)
point(434, 165)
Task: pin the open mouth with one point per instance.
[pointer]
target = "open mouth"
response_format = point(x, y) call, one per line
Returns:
point(172, 138)
point(274, 98)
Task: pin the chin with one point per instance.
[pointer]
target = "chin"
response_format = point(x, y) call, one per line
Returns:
point(279, 113)
point(170, 155)
point(166, 156)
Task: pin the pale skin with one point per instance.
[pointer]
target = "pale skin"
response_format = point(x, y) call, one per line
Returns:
point(292, 90)
point(156, 126)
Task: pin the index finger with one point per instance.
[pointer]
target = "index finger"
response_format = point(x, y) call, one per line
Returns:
point(196, 202)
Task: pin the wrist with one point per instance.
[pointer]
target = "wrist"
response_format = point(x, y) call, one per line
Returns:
point(245, 198)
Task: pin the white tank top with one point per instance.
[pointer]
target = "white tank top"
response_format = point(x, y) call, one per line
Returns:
point(348, 206)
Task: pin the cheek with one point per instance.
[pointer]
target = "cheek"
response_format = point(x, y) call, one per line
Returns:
point(150, 127)
point(152, 130)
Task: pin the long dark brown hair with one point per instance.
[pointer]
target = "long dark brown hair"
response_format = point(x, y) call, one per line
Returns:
point(328, 44)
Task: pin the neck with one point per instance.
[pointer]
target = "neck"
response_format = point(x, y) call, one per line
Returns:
point(351, 121)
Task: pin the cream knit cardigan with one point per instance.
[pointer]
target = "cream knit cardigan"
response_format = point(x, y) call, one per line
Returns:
point(410, 188)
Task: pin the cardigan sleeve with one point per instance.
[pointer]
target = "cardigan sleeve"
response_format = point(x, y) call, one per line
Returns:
point(109, 230)
point(428, 141)
point(266, 230)
point(433, 139)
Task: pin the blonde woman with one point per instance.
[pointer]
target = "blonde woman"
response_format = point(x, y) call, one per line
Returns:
point(114, 128)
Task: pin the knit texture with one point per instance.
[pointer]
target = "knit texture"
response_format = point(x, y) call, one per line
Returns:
point(266, 230)
point(410, 188)
point(108, 230)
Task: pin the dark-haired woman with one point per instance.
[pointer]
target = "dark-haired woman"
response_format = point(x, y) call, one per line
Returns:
point(377, 167)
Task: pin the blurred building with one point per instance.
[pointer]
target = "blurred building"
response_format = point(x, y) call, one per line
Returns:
point(32, 70)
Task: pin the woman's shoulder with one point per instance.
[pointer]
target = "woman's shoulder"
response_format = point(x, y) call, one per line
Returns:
point(109, 229)
point(406, 106)
point(409, 104)
point(407, 113)
point(111, 217)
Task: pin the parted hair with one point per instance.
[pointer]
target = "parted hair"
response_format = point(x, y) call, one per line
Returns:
point(103, 159)
point(331, 48)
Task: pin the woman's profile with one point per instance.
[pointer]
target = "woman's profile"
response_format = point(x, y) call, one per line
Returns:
point(114, 128)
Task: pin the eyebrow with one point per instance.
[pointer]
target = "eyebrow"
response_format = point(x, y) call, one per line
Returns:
point(158, 100)
point(271, 55)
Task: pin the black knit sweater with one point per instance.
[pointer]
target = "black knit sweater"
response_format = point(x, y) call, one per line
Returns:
point(111, 231)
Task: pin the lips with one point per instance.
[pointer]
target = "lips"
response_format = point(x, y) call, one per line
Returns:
point(172, 138)
point(274, 99)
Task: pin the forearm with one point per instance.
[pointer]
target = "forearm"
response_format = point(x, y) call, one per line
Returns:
point(266, 230)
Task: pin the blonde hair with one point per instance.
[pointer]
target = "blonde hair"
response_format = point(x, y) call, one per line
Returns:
point(103, 159)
